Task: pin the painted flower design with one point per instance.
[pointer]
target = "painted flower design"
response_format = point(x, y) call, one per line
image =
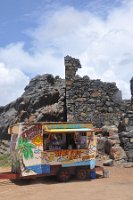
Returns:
point(38, 140)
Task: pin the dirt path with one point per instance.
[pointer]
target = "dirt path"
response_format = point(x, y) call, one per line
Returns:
point(118, 187)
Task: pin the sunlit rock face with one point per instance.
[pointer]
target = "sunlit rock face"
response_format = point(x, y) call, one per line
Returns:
point(43, 100)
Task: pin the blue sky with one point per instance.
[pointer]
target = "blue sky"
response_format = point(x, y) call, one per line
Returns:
point(35, 35)
point(18, 16)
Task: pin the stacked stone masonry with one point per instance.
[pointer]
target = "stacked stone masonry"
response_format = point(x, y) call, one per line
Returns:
point(92, 100)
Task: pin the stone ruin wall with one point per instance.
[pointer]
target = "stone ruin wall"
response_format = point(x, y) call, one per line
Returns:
point(92, 100)
point(131, 87)
point(102, 104)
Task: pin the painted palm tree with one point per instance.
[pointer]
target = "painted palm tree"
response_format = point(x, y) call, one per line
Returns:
point(25, 149)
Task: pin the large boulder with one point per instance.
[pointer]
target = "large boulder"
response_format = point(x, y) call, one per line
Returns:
point(117, 153)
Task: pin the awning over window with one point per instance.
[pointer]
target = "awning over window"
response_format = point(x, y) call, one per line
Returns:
point(46, 129)
point(67, 127)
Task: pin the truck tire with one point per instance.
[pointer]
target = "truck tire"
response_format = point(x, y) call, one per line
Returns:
point(63, 175)
point(81, 174)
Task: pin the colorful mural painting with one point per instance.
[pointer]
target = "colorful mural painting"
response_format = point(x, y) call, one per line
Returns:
point(66, 157)
point(33, 148)
point(31, 131)
point(25, 148)
point(30, 146)
point(38, 140)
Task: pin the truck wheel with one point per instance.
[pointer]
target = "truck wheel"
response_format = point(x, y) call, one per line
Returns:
point(81, 174)
point(64, 175)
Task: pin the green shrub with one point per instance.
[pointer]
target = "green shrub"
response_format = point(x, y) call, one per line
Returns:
point(5, 160)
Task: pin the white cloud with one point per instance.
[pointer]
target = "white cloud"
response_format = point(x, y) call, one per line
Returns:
point(104, 47)
point(111, 54)
point(14, 55)
point(12, 83)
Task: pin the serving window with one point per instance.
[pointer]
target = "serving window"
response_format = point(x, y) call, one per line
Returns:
point(71, 140)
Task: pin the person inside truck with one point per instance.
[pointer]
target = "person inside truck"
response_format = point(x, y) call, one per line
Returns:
point(77, 140)
point(53, 142)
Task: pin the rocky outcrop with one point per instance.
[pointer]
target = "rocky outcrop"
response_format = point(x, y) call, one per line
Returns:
point(43, 100)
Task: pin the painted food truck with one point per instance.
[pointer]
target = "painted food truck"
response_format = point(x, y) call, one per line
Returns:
point(45, 149)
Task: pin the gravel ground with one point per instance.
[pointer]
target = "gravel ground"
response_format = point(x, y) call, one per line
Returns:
point(119, 186)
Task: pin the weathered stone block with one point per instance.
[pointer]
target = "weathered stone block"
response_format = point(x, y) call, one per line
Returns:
point(108, 162)
point(117, 153)
point(96, 94)
point(130, 155)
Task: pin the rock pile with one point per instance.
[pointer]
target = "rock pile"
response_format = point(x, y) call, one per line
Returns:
point(126, 134)
point(109, 146)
